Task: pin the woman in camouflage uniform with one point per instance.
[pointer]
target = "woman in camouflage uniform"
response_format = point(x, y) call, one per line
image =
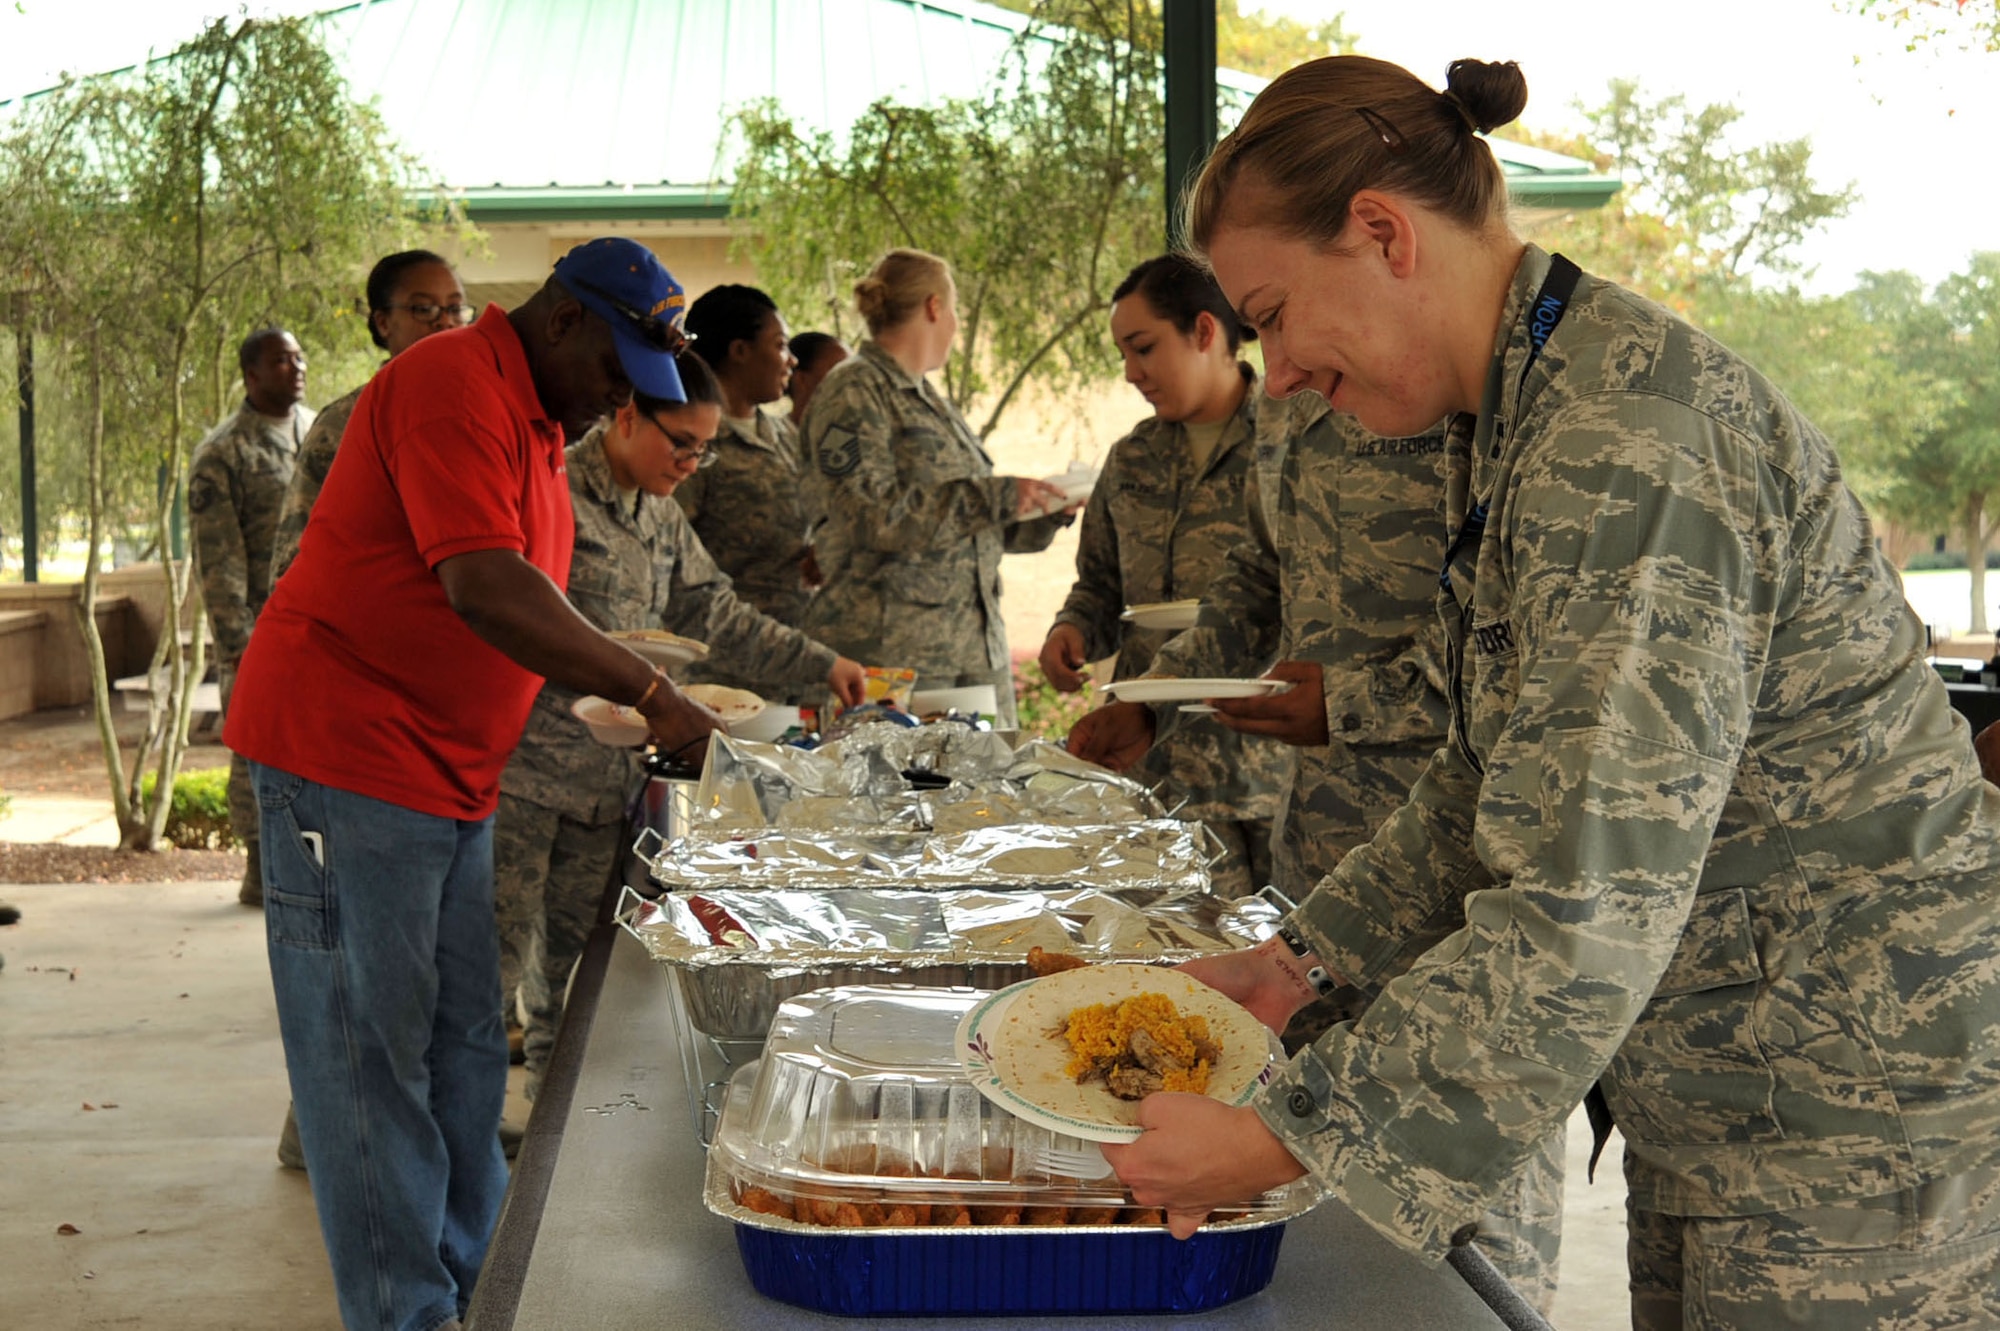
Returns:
point(1168, 506)
point(749, 508)
point(1706, 834)
point(410, 296)
point(916, 520)
point(636, 564)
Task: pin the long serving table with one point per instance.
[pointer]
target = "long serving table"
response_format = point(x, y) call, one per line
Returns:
point(604, 1227)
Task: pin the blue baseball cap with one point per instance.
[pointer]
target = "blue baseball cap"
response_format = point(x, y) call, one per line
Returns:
point(622, 283)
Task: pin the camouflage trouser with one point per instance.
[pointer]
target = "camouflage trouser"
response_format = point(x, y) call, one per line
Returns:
point(1915, 1260)
point(242, 797)
point(1521, 1234)
point(1245, 865)
point(549, 874)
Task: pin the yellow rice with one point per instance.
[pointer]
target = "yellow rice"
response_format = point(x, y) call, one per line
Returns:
point(1101, 1032)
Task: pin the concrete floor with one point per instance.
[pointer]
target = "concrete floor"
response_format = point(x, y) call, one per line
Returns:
point(153, 1004)
point(141, 1093)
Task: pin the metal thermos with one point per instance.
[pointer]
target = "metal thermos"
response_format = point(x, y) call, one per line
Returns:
point(666, 807)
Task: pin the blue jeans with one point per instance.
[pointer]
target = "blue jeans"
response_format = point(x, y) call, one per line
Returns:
point(387, 970)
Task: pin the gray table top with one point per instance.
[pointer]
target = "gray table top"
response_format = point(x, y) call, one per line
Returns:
point(622, 1240)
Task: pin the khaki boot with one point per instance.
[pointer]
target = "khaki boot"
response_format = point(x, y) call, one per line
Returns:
point(290, 1154)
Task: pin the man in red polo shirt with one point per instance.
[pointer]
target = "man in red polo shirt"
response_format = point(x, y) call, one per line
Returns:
point(388, 681)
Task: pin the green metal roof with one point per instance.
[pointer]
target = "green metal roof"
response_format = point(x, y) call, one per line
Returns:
point(572, 110)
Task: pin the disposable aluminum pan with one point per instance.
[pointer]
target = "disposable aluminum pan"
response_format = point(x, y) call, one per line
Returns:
point(866, 1176)
point(737, 955)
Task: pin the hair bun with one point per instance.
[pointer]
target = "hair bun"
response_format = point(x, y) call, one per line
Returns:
point(1493, 93)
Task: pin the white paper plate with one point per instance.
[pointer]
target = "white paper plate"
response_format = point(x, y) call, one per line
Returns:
point(1005, 1047)
point(662, 648)
point(620, 727)
point(1163, 614)
point(1194, 690)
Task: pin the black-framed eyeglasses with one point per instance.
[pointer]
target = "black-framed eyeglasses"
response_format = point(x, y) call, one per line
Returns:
point(1392, 138)
point(426, 313)
point(702, 453)
point(658, 333)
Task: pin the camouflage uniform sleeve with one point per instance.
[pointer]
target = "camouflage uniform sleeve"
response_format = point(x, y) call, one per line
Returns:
point(1637, 625)
point(1242, 610)
point(702, 604)
point(854, 447)
point(215, 533)
point(308, 476)
point(1036, 534)
point(690, 492)
point(1097, 597)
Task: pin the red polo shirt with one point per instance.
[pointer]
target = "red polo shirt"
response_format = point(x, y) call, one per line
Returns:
point(360, 675)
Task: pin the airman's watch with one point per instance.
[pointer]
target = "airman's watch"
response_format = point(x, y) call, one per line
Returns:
point(1318, 976)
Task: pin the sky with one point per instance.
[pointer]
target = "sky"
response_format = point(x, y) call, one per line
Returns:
point(1916, 132)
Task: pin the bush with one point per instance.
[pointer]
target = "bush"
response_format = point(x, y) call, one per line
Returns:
point(1045, 713)
point(198, 818)
point(1931, 561)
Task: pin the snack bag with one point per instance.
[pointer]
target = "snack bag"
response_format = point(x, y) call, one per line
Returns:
point(885, 684)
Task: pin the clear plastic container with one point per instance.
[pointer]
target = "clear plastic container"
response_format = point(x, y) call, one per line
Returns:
point(859, 1114)
point(867, 1177)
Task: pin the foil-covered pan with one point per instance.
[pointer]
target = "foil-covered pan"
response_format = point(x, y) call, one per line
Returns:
point(893, 776)
point(1153, 853)
point(739, 954)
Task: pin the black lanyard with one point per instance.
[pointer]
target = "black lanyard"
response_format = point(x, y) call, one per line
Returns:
point(1545, 311)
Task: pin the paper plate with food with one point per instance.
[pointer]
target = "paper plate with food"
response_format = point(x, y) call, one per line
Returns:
point(734, 706)
point(662, 648)
point(1076, 1051)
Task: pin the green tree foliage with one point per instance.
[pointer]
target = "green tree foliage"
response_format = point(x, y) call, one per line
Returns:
point(1964, 23)
point(1696, 210)
point(1260, 43)
point(1257, 42)
point(1940, 464)
point(149, 221)
point(1042, 194)
point(1903, 380)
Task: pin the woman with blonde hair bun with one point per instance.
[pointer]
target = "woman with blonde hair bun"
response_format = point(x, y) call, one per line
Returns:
point(915, 520)
point(1707, 835)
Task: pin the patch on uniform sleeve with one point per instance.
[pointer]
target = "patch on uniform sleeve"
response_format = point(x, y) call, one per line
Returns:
point(201, 493)
point(839, 452)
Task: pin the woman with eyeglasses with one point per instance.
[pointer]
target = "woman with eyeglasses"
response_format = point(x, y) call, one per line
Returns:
point(410, 296)
point(916, 521)
point(636, 564)
point(1170, 505)
point(750, 507)
point(1706, 835)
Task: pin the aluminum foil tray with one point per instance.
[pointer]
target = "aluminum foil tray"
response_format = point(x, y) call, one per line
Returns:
point(1156, 853)
point(864, 780)
point(739, 954)
point(858, 1120)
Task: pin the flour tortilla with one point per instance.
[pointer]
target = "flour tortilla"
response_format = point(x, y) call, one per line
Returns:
point(732, 705)
point(1032, 1063)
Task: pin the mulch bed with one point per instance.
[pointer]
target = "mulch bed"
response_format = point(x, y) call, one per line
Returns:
point(53, 862)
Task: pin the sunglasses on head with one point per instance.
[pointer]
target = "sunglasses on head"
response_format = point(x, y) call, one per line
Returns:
point(657, 332)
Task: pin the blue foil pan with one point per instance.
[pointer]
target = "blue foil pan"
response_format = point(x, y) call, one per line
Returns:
point(1001, 1272)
